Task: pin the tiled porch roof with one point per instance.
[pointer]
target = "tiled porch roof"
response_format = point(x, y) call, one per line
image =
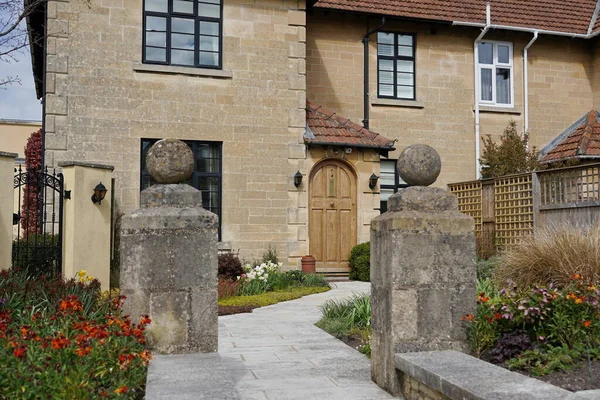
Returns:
point(574, 16)
point(325, 127)
point(580, 140)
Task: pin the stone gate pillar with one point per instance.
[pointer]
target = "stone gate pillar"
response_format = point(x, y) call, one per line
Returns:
point(423, 274)
point(169, 257)
point(7, 203)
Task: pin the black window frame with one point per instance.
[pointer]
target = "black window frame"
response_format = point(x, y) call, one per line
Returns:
point(395, 58)
point(197, 19)
point(194, 145)
point(395, 187)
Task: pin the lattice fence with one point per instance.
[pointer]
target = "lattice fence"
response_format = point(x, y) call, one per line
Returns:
point(469, 200)
point(570, 185)
point(513, 209)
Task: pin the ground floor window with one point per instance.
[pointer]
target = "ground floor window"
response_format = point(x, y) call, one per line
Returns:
point(389, 182)
point(206, 176)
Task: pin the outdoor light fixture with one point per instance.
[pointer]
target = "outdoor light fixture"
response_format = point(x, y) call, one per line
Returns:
point(298, 179)
point(373, 181)
point(99, 193)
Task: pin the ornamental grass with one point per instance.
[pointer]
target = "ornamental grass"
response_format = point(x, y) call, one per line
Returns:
point(64, 340)
point(552, 256)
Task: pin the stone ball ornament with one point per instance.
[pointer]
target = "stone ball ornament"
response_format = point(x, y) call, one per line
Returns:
point(419, 165)
point(170, 161)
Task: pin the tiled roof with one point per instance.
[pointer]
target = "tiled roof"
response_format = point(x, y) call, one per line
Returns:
point(325, 127)
point(582, 139)
point(573, 16)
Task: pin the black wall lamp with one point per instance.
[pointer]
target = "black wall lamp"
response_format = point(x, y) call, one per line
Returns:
point(373, 181)
point(99, 193)
point(298, 179)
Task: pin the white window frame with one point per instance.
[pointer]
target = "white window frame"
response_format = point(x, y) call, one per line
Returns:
point(496, 64)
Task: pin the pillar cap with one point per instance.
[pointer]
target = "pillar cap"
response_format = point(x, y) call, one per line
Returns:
point(421, 198)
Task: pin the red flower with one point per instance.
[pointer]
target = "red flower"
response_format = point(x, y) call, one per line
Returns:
point(145, 320)
point(146, 356)
point(60, 342)
point(20, 352)
point(468, 317)
point(83, 351)
point(122, 389)
point(587, 323)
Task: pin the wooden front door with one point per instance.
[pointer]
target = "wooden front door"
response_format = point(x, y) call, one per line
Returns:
point(332, 222)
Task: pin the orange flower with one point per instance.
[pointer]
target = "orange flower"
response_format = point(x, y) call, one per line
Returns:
point(578, 301)
point(82, 351)
point(576, 277)
point(587, 323)
point(20, 352)
point(122, 389)
point(145, 320)
point(60, 342)
point(468, 317)
point(571, 295)
point(24, 331)
point(146, 356)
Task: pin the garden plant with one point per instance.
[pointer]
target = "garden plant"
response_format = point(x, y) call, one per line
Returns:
point(65, 339)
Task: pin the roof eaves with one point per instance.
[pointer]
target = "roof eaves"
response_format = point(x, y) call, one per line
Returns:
point(594, 18)
point(557, 140)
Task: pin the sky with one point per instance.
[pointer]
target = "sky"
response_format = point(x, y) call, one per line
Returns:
point(19, 101)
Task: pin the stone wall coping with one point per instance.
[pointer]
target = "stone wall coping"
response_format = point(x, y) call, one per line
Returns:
point(398, 103)
point(64, 164)
point(170, 69)
point(460, 376)
point(7, 154)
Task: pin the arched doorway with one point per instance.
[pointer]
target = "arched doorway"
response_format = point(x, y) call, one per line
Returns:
point(332, 215)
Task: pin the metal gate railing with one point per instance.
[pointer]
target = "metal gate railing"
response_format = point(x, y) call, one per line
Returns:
point(38, 217)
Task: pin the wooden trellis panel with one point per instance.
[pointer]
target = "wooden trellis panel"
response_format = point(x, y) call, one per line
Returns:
point(569, 186)
point(469, 200)
point(513, 209)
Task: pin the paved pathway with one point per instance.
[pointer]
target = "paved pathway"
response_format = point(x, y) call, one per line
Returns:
point(274, 353)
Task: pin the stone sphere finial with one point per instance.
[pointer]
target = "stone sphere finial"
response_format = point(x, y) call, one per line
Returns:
point(419, 165)
point(170, 161)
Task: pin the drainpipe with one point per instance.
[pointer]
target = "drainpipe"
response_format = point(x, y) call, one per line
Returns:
point(488, 19)
point(526, 90)
point(366, 73)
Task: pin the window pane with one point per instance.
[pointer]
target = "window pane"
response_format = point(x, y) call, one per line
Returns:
point(180, 41)
point(211, 1)
point(208, 183)
point(207, 164)
point(386, 77)
point(486, 84)
point(405, 92)
point(385, 38)
point(386, 90)
point(209, 10)
point(386, 65)
point(182, 25)
point(405, 51)
point(387, 172)
point(157, 5)
point(385, 50)
point(385, 194)
point(156, 54)
point(503, 86)
point(405, 66)
point(182, 57)
point(405, 40)
point(209, 43)
point(405, 79)
point(156, 24)
point(158, 39)
point(186, 7)
point(503, 54)
point(486, 53)
point(209, 28)
point(207, 58)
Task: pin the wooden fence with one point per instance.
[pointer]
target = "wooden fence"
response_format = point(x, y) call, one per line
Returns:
point(508, 208)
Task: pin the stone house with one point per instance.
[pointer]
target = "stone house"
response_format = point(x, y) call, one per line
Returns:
point(265, 92)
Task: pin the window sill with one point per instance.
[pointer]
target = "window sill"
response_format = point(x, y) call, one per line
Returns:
point(397, 103)
point(170, 69)
point(498, 110)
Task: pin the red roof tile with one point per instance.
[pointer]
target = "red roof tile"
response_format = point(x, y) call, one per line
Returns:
point(572, 16)
point(325, 127)
point(581, 139)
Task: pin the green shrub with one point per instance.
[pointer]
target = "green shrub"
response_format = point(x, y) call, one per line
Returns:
point(355, 311)
point(270, 256)
point(485, 268)
point(311, 280)
point(360, 262)
point(37, 255)
point(269, 298)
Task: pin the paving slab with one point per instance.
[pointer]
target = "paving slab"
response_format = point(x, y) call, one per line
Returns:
point(273, 353)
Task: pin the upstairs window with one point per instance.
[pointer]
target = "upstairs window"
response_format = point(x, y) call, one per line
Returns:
point(389, 182)
point(183, 32)
point(495, 66)
point(396, 66)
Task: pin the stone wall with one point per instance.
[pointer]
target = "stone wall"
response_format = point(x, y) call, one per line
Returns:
point(101, 102)
point(559, 86)
point(412, 389)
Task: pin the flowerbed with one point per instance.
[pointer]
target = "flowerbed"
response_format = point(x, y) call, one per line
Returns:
point(64, 339)
point(540, 330)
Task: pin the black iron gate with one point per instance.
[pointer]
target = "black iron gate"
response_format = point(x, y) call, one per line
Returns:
point(37, 219)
